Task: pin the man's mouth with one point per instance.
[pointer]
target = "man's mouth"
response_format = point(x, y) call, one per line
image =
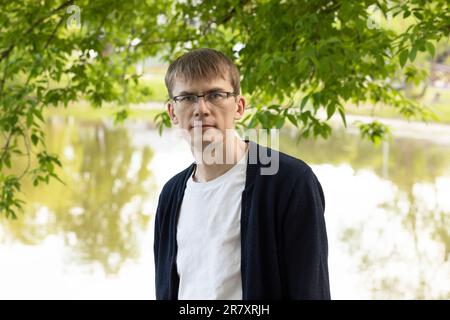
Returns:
point(203, 126)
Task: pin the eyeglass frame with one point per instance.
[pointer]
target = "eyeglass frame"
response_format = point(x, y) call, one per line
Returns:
point(232, 94)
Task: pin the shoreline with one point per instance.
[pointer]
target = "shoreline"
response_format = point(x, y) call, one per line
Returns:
point(400, 128)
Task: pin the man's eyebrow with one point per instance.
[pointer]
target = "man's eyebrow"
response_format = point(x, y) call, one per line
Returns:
point(216, 89)
point(183, 93)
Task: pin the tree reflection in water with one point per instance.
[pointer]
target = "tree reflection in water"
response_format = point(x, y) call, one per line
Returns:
point(408, 256)
point(101, 210)
point(398, 243)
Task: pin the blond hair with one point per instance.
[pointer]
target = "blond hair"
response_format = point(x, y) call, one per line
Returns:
point(202, 64)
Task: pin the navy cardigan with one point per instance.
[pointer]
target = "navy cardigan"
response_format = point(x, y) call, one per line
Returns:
point(284, 248)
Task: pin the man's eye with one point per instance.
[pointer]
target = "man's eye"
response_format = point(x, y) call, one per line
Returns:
point(187, 99)
point(216, 95)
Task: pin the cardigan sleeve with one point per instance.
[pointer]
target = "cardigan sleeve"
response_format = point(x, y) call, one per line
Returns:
point(305, 247)
point(156, 244)
point(161, 252)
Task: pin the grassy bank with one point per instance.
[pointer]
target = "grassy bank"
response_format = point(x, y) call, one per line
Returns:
point(436, 100)
point(83, 111)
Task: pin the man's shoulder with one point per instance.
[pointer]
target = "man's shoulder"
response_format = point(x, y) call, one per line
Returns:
point(294, 179)
point(291, 168)
point(292, 164)
point(176, 181)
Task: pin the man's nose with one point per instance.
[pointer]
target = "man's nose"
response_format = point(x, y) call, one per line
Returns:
point(201, 107)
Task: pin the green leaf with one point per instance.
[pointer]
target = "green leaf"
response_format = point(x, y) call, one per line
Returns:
point(34, 139)
point(331, 108)
point(279, 122)
point(292, 119)
point(7, 160)
point(263, 119)
point(304, 101)
point(120, 116)
point(38, 113)
point(29, 121)
point(403, 57)
point(418, 15)
point(342, 113)
point(305, 116)
point(412, 54)
point(430, 48)
point(17, 151)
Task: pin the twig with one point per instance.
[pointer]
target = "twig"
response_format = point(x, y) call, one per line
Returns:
point(28, 148)
point(5, 72)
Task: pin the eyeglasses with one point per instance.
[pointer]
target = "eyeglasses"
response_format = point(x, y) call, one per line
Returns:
point(217, 98)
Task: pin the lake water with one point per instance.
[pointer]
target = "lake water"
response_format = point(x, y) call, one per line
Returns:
point(387, 214)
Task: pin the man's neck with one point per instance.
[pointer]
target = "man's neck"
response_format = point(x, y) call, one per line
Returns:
point(206, 172)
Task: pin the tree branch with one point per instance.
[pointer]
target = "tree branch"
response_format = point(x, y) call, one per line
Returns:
point(6, 52)
point(47, 43)
point(149, 43)
point(28, 148)
point(5, 73)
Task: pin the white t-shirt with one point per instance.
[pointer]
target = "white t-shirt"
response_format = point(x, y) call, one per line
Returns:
point(209, 237)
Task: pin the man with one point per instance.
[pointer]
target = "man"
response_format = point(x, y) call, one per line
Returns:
point(227, 229)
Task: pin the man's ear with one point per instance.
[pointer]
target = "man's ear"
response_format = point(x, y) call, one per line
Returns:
point(240, 107)
point(171, 112)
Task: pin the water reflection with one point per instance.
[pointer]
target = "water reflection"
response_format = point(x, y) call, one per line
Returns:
point(387, 210)
point(402, 246)
point(101, 210)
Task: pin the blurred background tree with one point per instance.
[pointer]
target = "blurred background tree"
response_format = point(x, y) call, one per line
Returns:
point(301, 62)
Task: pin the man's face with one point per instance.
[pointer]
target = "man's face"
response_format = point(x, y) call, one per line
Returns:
point(210, 120)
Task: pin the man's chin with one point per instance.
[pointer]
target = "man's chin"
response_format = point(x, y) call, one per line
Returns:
point(203, 130)
point(206, 140)
point(209, 135)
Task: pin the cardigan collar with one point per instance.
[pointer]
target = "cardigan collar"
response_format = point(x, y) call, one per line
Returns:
point(252, 167)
